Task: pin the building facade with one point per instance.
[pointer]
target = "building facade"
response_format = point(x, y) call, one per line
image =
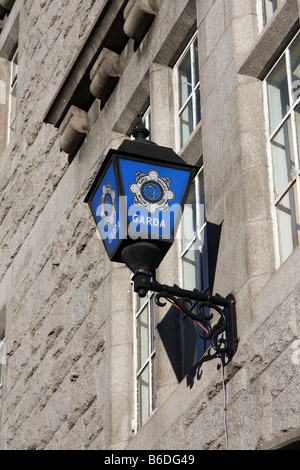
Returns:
point(84, 362)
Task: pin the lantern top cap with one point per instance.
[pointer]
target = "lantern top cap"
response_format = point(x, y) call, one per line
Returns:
point(143, 147)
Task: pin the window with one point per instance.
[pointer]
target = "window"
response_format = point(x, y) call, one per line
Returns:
point(144, 354)
point(283, 106)
point(187, 85)
point(193, 242)
point(268, 9)
point(2, 363)
point(12, 97)
point(194, 266)
point(147, 121)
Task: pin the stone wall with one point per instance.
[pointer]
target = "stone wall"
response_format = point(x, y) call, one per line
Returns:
point(52, 283)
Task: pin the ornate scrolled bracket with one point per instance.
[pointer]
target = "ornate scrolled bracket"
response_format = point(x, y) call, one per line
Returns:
point(207, 332)
point(223, 333)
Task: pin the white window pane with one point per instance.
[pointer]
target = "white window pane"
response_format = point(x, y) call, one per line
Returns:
point(278, 94)
point(147, 121)
point(297, 115)
point(153, 391)
point(196, 62)
point(142, 337)
point(152, 325)
point(191, 268)
point(201, 209)
point(13, 103)
point(195, 260)
point(198, 106)
point(186, 123)
point(139, 302)
point(270, 6)
point(283, 158)
point(288, 223)
point(143, 396)
point(189, 220)
point(295, 65)
point(14, 69)
point(188, 92)
point(204, 281)
point(188, 226)
point(185, 79)
point(12, 97)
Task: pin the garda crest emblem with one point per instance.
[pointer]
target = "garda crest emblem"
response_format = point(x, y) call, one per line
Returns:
point(108, 207)
point(152, 191)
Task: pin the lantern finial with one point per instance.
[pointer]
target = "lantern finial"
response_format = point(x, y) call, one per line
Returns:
point(140, 132)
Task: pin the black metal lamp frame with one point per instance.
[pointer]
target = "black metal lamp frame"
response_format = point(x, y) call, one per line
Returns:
point(144, 257)
point(223, 334)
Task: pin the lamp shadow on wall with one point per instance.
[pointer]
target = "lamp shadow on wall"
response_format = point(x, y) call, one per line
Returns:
point(170, 329)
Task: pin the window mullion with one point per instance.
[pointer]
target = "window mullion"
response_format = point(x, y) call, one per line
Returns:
point(187, 126)
point(184, 252)
point(192, 55)
point(189, 98)
point(284, 193)
point(282, 122)
point(140, 415)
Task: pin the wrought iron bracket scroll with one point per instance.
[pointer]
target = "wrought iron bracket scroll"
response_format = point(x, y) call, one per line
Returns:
point(222, 332)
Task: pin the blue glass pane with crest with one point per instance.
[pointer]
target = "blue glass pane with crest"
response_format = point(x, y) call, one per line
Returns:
point(154, 194)
point(106, 207)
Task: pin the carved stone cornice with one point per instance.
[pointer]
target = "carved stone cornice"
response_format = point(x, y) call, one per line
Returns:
point(73, 130)
point(105, 74)
point(107, 31)
point(138, 16)
point(7, 4)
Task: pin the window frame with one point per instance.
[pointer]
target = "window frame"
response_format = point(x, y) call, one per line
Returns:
point(201, 228)
point(265, 19)
point(191, 97)
point(189, 356)
point(139, 306)
point(13, 84)
point(2, 363)
point(289, 115)
point(147, 121)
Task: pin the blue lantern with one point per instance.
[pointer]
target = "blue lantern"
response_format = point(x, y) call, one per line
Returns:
point(137, 200)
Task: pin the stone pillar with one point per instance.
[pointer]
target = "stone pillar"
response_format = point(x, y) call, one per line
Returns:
point(234, 150)
point(162, 133)
point(121, 373)
point(162, 105)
